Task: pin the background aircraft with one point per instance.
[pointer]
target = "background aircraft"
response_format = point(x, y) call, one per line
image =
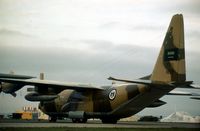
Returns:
point(111, 103)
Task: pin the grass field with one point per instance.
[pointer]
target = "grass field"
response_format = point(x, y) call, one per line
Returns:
point(96, 129)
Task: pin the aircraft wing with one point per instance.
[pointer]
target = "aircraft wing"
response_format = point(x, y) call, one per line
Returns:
point(51, 84)
point(15, 76)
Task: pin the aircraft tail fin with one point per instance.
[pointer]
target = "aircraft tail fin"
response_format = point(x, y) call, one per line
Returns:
point(170, 64)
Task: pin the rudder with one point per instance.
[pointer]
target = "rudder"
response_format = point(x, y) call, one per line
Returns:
point(170, 64)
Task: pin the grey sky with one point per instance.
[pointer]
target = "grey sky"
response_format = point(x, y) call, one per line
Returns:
point(87, 41)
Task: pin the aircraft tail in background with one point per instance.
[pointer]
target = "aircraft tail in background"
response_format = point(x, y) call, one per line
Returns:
point(170, 64)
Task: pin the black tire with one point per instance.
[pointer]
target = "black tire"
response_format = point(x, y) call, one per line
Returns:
point(0, 88)
point(109, 121)
point(53, 119)
point(83, 120)
point(74, 120)
point(77, 120)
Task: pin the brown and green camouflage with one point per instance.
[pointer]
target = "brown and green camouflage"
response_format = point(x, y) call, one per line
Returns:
point(110, 103)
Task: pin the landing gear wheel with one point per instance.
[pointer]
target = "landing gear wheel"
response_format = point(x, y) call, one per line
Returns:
point(109, 121)
point(79, 120)
point(0, 88)
point(52, 119)
point(83, 120)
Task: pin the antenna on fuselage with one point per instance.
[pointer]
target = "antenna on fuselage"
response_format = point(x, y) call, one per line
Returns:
point(41, 76)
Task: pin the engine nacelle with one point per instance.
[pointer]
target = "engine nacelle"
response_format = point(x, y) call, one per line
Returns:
point(38, 97)
point(9, 88)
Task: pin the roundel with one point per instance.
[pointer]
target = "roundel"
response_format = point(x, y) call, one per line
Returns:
point(112, 94)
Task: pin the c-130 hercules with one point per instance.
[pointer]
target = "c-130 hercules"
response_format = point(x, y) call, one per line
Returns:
point(111, 103)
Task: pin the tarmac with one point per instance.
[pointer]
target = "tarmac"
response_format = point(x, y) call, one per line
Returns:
point(94, 124)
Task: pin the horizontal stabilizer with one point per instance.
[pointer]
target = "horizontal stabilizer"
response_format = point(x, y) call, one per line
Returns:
point(196, 98)
point(142, 81)
point(183, 93)
point(190, 86)
point(146, 77)
point(157, 103)
point(149, 82)
point(182, 84)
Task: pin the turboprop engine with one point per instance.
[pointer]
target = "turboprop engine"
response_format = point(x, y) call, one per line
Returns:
point(9, 88)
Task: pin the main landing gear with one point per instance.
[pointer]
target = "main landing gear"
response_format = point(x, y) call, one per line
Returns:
point(53, 119)
point(79, 120)
point(109, 121)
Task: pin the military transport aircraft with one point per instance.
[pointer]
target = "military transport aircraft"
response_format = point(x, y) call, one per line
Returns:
point(111, 103)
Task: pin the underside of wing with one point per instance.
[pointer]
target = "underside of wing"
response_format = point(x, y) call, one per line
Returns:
point(13, 76)
point(11, 88)
point(182, 93)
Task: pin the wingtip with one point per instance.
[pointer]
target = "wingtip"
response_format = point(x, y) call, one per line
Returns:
point(110, 78)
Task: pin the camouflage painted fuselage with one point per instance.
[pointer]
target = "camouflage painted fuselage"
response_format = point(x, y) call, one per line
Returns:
point(128, 100)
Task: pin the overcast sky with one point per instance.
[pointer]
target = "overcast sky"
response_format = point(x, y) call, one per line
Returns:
point(87, 41)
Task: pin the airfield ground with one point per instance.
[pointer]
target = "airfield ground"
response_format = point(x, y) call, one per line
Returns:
point(97, 129)
point(23, 125)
